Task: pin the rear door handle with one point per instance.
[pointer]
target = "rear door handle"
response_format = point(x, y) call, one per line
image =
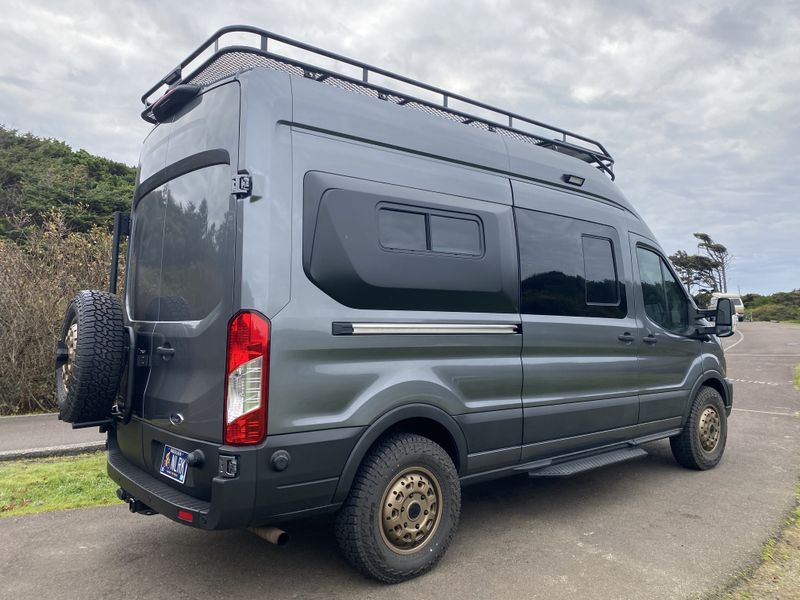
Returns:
point(649, 339)
point(625, 337)
point(165, 352)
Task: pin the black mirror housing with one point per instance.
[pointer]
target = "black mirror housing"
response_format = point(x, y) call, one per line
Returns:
point(723, 321)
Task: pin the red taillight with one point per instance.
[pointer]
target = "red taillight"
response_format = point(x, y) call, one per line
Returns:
point(247, 379)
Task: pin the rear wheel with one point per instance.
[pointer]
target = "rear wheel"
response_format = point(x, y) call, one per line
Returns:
point(402, 511)
point(89, 357)
point(702, 442)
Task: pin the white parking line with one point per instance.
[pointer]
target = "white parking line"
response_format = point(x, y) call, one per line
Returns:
point(758, 382)
point(766, 412)
point(763, 355)
point(741, 337)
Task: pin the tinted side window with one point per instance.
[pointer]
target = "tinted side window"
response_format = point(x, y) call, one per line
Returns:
point(677, 302)
point(653, 292)
point(427, 231)
point(568, 267)
point(664, 300)
point(456, 236)
point(402, 230)
point(378, 246)
point(601, 272)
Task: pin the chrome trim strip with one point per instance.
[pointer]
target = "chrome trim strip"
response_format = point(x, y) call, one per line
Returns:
point(433, 328)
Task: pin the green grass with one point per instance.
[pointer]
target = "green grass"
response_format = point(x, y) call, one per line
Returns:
point(32, 486)
point(778, 575)
point(797, 376)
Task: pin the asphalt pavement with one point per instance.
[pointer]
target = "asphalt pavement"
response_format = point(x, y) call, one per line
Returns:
point(644, 529)
point(44, 435)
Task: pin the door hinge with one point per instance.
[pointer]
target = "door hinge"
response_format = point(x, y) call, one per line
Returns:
point(242, 185)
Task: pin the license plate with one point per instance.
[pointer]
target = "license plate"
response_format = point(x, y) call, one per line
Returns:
point(174, 464)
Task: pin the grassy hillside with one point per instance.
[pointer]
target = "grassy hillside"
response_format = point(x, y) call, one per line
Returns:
point(38, 175)
point(783, 306)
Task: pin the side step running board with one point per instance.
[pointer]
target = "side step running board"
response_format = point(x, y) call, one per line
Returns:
point(588, 463)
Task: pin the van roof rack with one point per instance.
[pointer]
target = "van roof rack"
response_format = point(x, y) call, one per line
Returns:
point(231, 59)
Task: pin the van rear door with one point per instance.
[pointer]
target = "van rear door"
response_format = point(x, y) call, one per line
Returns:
point(180, 291)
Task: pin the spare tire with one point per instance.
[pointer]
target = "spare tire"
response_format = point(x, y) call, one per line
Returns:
point(89, 357)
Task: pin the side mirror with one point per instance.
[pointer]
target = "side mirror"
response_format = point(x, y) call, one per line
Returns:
point(723, 321)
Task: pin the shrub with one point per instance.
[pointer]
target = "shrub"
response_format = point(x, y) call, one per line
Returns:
point(776, 312)
point(39, 275)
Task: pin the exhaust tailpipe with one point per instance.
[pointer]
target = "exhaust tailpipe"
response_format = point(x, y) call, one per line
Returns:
point(272, 534)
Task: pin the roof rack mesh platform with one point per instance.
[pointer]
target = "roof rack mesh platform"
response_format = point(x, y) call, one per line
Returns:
point(224, 61)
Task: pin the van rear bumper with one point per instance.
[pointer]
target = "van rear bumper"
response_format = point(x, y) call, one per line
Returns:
point(235, 495)
point(260, 494)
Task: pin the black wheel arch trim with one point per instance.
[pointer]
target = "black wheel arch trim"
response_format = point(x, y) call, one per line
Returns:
point(382, 424)
point(707, 376)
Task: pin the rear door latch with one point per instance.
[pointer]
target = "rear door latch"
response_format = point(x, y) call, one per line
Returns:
point(242, 185)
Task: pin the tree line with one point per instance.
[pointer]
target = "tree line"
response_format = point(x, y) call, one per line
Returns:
point(56, 206)
point(706, 271)
point(38, 175)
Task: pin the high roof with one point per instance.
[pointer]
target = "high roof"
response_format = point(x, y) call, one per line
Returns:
point(213, 61)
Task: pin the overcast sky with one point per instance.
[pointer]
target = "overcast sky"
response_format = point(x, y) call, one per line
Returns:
point(698, 102)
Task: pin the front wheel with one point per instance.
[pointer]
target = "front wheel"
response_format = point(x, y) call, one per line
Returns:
point(701, 443)
point(402, 510)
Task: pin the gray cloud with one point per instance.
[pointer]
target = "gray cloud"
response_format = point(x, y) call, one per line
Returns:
point(697, 101)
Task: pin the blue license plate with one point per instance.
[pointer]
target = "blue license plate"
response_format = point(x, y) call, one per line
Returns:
point(174, 464)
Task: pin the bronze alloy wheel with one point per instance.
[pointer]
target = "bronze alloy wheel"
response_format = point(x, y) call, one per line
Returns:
point(410, 510)
point(71, 342)
point(709, 428)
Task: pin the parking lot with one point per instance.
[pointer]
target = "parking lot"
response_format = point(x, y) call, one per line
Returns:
point(648, 528)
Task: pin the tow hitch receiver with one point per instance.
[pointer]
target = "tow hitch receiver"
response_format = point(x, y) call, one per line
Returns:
point(134, 505)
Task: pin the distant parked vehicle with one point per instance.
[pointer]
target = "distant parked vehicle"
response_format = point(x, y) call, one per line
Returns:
point(735, 299)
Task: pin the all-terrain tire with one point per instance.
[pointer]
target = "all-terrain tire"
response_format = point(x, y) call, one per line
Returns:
point(94, 331)
point(702, 442)
point(359, 523)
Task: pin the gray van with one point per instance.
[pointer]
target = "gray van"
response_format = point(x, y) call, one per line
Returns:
point(350, 292)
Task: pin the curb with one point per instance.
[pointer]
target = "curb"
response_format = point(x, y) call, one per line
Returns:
point(49, 414)
point(65, 450)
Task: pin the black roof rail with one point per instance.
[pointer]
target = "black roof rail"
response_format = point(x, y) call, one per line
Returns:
point(229, 60)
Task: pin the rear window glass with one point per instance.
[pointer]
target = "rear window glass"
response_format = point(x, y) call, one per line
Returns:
point(145, 263)
point(183, 247)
